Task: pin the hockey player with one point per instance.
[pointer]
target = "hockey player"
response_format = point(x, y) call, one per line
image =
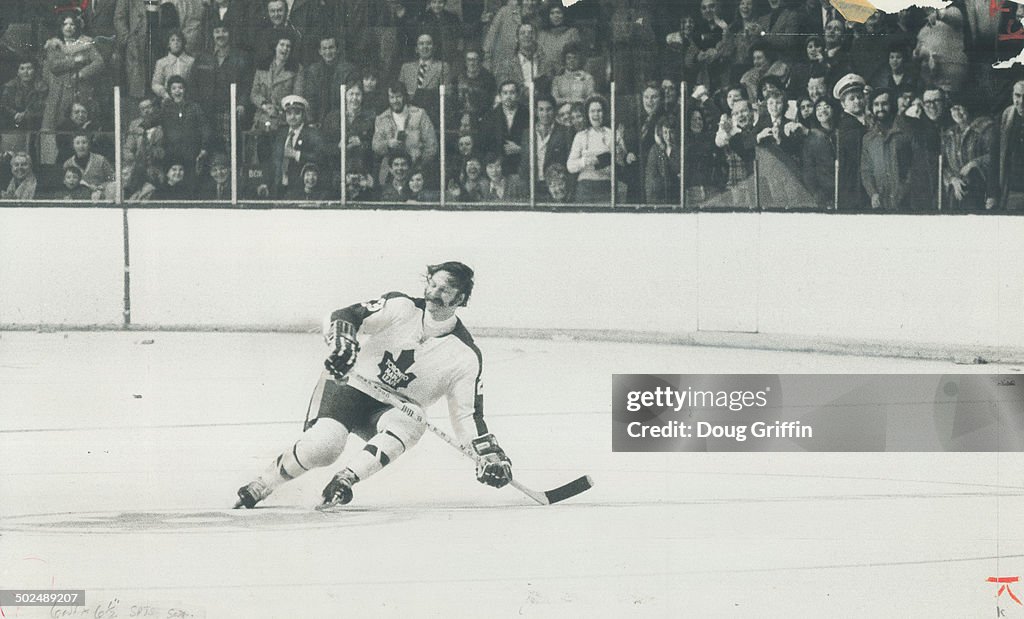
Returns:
point(416, 347)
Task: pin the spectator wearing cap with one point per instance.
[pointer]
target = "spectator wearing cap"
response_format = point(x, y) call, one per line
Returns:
point(850, 130)
point(292, 147)
point(967, 155)
point(1006, 181)
point(403, 128)
point(886, 155)
point(217, 184)
point(176, 62)
point(186, 130)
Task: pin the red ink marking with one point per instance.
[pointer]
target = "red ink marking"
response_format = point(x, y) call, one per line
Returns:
point(1005, 586)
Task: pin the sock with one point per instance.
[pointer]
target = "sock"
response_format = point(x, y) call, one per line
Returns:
point(319, 446)
point(380, 450)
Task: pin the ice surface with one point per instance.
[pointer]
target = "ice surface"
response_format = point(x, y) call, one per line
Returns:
point(121, 459)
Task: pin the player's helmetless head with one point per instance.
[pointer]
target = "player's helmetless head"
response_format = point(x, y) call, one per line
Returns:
point(448, 285)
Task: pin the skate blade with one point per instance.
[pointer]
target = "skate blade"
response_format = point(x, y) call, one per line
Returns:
point(331, 507)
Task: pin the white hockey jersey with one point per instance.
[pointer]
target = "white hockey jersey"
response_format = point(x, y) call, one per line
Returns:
point(401, 348)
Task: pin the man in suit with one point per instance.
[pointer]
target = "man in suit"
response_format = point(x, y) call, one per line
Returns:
point(505, 127)
point(423, 77)
point(850, 130)
point(293, 146)
point(404, 128)
point(552, 143)
point(1007, 177)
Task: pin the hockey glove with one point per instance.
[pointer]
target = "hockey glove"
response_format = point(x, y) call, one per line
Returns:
point(344, 348)
point(493, 468)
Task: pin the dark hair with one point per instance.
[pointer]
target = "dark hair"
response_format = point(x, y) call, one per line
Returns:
point(175, 33)
point(76, 18)
point(462, 274)
point(878, 92)
point(546, 97)
point(493, 157)
point(572, 48)
point(764, 48)
point(898, 45)
point(399, 87)
point(77, 170)
point(399, 154)
point(817, 38)
point(292, 64)
point(175, 79)
point(506, 83)
point(604, 108)
point(769, 80)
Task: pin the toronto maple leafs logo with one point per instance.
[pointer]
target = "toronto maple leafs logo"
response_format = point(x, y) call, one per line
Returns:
point(394, 372)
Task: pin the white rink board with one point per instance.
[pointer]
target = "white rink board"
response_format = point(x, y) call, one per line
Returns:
point(61, 266)
point(117, 483)
point(954, 281)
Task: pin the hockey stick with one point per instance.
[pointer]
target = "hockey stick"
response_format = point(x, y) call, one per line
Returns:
point(391, 398)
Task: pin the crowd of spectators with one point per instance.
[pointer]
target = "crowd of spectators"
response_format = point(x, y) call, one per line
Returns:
point(786, 103)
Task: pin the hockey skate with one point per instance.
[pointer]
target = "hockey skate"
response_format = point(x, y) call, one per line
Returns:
point(339, 491)
point(252, 493)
